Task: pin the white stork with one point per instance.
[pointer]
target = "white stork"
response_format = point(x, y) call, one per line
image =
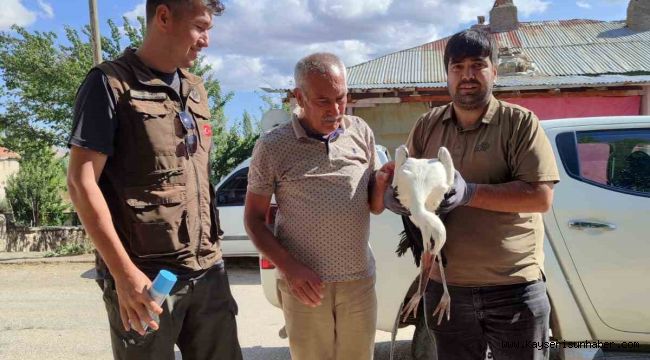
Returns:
point(420, 185)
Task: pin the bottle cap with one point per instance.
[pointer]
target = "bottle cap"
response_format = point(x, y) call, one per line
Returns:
point(164, 282)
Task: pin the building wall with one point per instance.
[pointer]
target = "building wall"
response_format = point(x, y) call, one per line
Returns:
point(575, 107)
point(391, 123)
point(8, 167)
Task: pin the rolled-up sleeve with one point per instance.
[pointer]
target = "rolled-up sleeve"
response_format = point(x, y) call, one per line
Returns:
point(531, 157)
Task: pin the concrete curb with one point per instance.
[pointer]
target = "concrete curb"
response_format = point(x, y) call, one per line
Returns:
point(23, 258)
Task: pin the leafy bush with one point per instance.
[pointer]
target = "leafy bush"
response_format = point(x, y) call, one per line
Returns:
point(69, 250)
point(35, 191)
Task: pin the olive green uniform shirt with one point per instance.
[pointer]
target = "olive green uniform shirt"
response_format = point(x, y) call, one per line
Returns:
point(487, 247)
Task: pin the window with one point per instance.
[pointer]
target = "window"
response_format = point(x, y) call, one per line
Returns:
point(233, 191)
point(615, 159)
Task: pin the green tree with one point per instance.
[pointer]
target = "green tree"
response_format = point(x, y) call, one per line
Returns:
point(40, 82)
point(34, 193)
point(273, 101)
point(236, 150)
point(232, 147)
point(41, 76)
point(247, 124)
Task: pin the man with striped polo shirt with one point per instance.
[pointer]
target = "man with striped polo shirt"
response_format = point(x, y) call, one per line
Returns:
point(324, 172)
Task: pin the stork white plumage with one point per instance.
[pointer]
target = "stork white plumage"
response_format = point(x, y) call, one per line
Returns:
point(420, 185)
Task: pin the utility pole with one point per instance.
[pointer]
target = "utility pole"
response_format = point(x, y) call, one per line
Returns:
point(94, 30)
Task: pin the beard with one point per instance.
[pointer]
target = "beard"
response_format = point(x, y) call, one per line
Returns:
point(471, 101)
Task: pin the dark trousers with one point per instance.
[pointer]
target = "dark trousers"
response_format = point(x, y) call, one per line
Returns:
point(198, 316)
point(512, 319)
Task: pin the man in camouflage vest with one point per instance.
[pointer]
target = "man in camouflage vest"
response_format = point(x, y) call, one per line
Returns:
point(139, 179)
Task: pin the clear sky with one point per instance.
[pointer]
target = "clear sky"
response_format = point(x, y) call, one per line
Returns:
point(255, 43)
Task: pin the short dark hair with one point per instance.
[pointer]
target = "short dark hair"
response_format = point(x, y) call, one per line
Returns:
point(468, 44)
point(215, 6)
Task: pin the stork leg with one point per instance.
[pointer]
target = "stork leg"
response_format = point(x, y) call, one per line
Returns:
point(425, 269)
point(444, 306)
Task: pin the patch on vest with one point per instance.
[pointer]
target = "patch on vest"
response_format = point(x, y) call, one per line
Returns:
point(145, 95)
point(207, 130)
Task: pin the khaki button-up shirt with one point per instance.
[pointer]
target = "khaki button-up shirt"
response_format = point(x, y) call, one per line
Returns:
point(487, 247)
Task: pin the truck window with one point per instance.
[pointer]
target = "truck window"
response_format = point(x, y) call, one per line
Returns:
point(615, 159)
point(233, 190)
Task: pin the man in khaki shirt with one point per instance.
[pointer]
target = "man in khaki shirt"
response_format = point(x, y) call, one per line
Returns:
point(322, 168)
point(504, 181)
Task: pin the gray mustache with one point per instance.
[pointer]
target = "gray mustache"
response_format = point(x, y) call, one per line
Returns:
point(333, 118)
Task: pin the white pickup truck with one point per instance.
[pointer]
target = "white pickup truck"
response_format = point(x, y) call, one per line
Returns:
point(597, 244)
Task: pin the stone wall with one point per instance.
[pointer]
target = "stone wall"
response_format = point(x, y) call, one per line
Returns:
point(22, 239)
point(3, 232)
point(503, 17)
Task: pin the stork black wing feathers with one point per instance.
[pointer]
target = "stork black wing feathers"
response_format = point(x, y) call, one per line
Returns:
point(411, 238)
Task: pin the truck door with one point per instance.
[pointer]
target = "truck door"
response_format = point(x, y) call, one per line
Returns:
point(602, 207)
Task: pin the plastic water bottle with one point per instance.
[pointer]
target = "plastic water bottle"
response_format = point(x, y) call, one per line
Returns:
point(160, 288)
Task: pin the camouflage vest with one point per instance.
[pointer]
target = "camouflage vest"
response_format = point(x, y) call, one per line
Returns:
point(158, 192)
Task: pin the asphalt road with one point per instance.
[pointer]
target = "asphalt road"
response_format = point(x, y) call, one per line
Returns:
point(53, 311)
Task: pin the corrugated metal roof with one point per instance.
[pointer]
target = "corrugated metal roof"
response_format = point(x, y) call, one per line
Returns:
point(530, 82)
point(564, 51)
point(544, 82)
